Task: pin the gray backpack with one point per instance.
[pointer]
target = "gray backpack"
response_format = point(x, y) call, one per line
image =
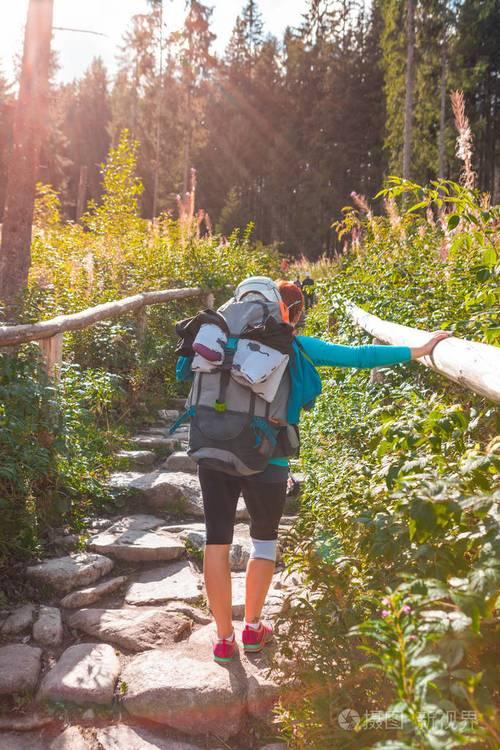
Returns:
point(233, 429)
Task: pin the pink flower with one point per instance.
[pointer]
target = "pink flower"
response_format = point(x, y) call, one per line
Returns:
point(386, 601)
point(385, 613)
point(406, 609)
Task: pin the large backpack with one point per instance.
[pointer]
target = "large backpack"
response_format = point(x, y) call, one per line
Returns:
point(232, 428)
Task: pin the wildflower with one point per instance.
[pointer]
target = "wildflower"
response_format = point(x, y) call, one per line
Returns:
point(391, 209)
point(385, 613)
point(386, 601)
point(362, 204)
point(406, 609)
point(464, 139)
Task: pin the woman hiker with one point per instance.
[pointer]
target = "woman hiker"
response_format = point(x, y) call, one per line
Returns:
point(265, 493)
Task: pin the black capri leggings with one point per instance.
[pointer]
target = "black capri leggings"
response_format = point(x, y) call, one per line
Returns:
point(264, 496)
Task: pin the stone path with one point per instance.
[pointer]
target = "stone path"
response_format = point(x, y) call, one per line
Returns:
point(116, 651)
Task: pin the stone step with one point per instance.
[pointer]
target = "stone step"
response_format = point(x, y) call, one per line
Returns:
point(22, 740)
point(18, 620)
point(63, 574)
point(91, 594)
point(158, 442)
point(176, 581)
point(14, 722)
point(137, 459)
point(125, 737)
point(98, 524)
point(138, 538)
point(183, 688)
point(113, 737)
point(19, 668)
point(169, 415)
point(135, 629)
point(174, 492)
point(85, 674)
point(177, 403)
point(48, 629)
point(180, 461)
point(181, 431)
point(120, 481)
point(73, 739)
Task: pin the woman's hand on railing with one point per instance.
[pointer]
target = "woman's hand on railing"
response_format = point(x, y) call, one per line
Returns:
point(422, 351)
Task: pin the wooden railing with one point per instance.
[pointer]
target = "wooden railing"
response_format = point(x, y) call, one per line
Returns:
point(469, 363)
point(49, 333)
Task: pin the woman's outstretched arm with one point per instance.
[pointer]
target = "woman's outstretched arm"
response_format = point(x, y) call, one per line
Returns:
point(325, 354)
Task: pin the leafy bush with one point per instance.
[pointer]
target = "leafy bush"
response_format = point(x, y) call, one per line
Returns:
point(398, 537)
point(56, 443)
point(116, 253)
point(54, 446)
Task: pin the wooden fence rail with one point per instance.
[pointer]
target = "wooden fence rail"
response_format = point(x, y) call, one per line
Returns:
point(49, 333)
point(469, 363)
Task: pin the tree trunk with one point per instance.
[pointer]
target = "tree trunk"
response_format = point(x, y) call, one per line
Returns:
point(189, 80)
point(82, 192)
point(410, 82)
point(442, 116)
point(29, 124)
point(158, 116)
point(187, 139)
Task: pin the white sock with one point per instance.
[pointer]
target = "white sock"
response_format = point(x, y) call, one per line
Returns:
point(230, 639)
point(253, 625)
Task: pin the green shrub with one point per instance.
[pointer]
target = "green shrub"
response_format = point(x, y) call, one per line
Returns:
point(56, 444)
point(398, 537)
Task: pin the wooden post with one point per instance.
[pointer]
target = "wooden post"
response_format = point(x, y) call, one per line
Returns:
point(209, 300)
point(52, 350)
point(376, 375)
point(141, 320)
point(82, 191)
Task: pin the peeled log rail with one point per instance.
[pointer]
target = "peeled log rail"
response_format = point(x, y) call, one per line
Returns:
point(469, 363)
point(45, 329)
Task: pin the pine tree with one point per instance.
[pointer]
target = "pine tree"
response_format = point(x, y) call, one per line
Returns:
point(433, 31)
point(409, 86)
point(475, 68)
point(254, 27)
point(194, 43)
point(87, 129)
point(134, 106)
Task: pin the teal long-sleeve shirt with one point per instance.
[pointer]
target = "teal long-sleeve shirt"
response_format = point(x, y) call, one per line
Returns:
point(325, 354)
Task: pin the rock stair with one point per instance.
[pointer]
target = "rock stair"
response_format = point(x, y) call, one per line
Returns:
point(126, 630)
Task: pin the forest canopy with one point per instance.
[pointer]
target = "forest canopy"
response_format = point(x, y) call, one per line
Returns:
point(280, 131)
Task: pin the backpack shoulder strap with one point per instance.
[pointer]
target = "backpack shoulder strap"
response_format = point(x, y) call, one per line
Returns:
point(303, 351)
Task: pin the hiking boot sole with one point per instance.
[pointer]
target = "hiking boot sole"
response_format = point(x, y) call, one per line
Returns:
point(256, 648)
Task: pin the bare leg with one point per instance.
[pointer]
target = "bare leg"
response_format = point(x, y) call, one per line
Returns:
point(258, 579)
point(218, 585)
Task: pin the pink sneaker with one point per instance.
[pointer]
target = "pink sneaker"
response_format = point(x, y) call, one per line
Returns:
point(224, 650)
point(255, 640)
